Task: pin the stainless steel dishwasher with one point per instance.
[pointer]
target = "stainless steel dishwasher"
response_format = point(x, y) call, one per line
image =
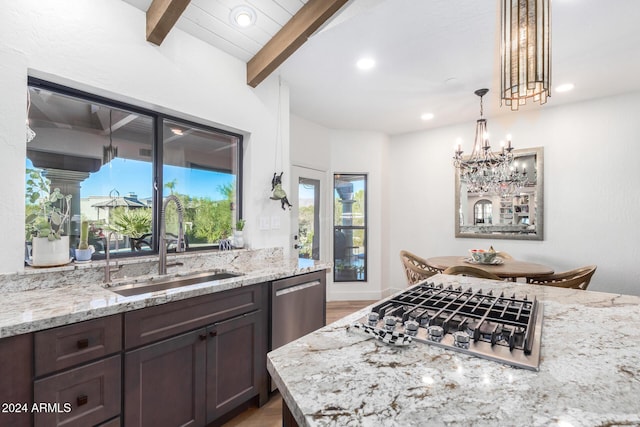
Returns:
point(298, 307)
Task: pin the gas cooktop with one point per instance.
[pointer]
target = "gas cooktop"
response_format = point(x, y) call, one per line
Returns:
point(497, 327)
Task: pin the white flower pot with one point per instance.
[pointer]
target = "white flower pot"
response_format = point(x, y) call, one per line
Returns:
point(84, 254)
point(238, 239)
point(49, 253)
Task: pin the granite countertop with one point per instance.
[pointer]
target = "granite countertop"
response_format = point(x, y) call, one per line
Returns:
point(40, 299)
point(589, 371)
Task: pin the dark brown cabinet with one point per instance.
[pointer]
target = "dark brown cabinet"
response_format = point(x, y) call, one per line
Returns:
point(187, 363)
point(165, 382)
point(194, 378)
point(70, 345)
point(82, 396)
point(235, 363)
point(78, 375)
point(16, 376)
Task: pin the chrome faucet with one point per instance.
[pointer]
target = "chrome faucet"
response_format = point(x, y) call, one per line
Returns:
point(107, 267)
point(162, 261)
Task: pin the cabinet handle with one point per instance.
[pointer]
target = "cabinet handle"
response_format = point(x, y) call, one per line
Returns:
point(202, 337)
point(83, 399)
point(83, 343)
point(213, 333)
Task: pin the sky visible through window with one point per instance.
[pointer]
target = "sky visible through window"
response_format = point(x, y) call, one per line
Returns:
point(128, 176)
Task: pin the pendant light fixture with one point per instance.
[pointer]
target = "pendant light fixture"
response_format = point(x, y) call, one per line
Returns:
point(525, 51)
point(109, 152)
point(485, 171)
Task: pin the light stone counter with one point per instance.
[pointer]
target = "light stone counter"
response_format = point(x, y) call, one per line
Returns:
point(44, 298)
point(589, 371)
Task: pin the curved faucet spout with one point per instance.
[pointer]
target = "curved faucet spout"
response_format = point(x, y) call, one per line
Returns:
point(162, 261)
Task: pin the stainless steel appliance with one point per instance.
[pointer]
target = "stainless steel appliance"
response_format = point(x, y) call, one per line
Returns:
point(298, 307)
point(497, 327)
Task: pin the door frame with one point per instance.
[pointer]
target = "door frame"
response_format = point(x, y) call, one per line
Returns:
point(306, 171)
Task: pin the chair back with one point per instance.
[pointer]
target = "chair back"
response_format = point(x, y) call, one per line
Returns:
point(578, 278)
point(467, 270)
point(416, 268)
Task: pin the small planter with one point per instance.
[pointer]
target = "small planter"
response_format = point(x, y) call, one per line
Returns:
point(84, 254)
point(238, 239)
point(49, 253)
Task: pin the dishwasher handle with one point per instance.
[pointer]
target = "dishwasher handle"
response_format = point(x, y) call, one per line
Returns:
point(296, 288)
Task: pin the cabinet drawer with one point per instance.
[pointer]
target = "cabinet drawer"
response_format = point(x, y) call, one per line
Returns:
point(155, 323)
point(113, 423)
point(66, 346)
point(82, 396)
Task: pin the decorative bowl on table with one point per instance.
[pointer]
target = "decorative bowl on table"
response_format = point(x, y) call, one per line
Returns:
point(483, 257)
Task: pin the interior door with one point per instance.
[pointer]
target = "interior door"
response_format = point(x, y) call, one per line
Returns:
point(308, 224)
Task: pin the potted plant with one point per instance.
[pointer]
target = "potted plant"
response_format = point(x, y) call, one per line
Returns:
point(45, 224)
point(84, 251)
point(238, 237)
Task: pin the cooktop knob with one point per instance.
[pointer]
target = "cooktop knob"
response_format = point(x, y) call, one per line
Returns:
point(390, 323)
point(411, 327)
point(435, 333)
point(461, 339)
point(373, 318)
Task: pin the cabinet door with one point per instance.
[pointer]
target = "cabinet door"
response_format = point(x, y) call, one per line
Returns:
point(165, 382)
point(235, 363)
point(16, 376)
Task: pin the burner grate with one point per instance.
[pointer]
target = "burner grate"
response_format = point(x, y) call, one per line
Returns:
point(499, 327)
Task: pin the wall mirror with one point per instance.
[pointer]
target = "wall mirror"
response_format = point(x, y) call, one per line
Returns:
point(515, 211)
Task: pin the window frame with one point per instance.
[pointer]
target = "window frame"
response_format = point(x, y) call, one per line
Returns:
point(158, 119)
point(364, 228)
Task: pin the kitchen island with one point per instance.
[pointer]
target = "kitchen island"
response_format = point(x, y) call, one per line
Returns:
point(589, 372)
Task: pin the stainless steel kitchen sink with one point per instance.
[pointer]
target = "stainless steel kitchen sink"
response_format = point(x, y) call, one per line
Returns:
point(162, 284)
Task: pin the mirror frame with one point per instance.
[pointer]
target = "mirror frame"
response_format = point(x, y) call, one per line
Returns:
point(539, 197)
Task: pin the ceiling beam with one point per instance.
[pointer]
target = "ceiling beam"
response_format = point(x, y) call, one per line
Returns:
point(162, 15)
point(290, 37)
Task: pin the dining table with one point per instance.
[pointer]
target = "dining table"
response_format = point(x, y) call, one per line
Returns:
point(505, 268)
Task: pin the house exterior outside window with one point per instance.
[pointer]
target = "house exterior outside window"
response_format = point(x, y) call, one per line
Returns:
point(350, 227)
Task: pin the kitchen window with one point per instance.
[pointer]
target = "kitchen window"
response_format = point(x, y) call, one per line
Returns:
point(350, 228)
point(118, 161)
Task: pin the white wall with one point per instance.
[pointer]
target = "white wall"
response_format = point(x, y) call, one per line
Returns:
point(592, 190)
point(99, 46)
point(337, 151)
point(310, 144)
point(364, 152)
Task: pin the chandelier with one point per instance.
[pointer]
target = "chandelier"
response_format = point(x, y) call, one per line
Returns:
point(485, 171)
point(525, 52)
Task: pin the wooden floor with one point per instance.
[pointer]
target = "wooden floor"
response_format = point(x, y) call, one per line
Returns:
point(270, 415)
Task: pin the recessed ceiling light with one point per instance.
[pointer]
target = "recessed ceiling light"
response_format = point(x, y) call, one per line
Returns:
point(565, 87)
point(366, 63)
point(176, 131)
point(427, 116)
point(242, 16)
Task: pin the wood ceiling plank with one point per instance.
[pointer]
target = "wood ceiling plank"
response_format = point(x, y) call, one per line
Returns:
point(292, 35)
point(162, 15)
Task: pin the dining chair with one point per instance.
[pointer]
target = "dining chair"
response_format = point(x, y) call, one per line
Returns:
point(416, 268)
point(467, 270)
point(578, 278)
